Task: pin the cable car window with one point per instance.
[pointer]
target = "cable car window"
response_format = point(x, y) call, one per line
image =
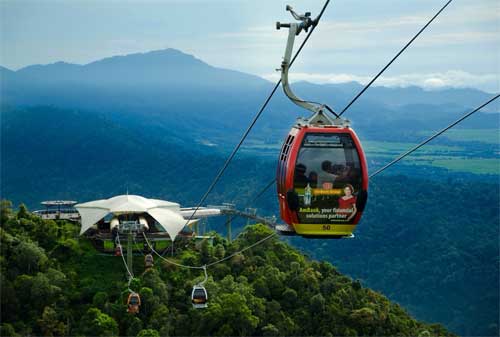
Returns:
point(199, 293)
point(327, 178)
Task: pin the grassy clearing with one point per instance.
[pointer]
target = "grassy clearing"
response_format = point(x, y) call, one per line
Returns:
point(472, 165)
point(489, 136)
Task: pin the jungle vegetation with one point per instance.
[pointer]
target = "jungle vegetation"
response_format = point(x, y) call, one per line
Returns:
point(53, 283)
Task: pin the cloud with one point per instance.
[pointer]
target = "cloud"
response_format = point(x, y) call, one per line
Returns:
point(429, 81)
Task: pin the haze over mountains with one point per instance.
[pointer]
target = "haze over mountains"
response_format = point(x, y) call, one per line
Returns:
point(177, 91)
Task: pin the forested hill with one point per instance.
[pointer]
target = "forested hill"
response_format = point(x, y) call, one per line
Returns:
point(55, 284)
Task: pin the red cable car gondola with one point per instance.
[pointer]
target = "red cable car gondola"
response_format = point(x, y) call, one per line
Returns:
point(133, 303)
point(148, 261)
point(322, 176)
point(322, 180)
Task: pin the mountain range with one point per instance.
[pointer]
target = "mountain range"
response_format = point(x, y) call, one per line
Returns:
point(169, 91)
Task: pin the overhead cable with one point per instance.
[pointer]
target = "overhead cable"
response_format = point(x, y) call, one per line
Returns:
point(257, 116)
point(432, 137)
point(393, 59)
point(213, 263)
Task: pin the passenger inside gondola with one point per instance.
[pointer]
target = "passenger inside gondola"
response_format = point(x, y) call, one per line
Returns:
point(313, 179)
point(301, 179)
point(326, 176)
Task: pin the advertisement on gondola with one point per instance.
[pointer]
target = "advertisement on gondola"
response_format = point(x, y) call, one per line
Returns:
point(333, 205)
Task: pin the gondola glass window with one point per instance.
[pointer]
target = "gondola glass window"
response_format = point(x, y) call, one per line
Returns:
point(327, 169)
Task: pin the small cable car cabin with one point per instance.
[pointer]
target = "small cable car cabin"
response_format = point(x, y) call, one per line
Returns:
point(118, 250)
point(148, 261)
point(322, 176)
point(133, 303)
point(199, 297)
point(322, 180)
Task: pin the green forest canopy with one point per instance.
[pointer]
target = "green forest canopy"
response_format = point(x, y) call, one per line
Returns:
point(55, 284)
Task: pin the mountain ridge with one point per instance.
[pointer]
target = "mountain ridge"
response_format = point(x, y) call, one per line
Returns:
point(184, 59)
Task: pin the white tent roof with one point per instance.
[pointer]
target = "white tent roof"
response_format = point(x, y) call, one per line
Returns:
point(166, 213)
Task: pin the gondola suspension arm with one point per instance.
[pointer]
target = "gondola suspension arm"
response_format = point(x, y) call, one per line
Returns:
point(294, 29)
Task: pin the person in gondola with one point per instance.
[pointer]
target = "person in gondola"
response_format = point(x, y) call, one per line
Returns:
point(325, 176)
point(348, 202)
point(301, 179)
point(313, 179)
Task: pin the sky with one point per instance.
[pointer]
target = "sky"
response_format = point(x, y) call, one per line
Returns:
point(354, 40)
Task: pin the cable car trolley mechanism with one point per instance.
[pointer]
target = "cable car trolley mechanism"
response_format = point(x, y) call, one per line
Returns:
point(322, 177)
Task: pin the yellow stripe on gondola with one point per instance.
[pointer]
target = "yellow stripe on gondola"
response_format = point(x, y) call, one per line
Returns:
point(333, 191)
point(323, 229)
point(320, 191)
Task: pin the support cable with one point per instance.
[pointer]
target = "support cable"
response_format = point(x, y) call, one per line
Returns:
point(394, 58)
point(432, 137)
point(242, 250)
point(168, 260)
point(213, 263)
point(236, 215)
point(130, 275)
point(270, 184)
point(257, 116)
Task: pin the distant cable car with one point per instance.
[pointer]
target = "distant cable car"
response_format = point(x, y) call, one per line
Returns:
point(199, 297)
point(118, 250)
point(322, 176)
point(148, 261)
point(133, 303)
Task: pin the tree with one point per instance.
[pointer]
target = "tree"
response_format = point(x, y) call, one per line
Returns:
point(160, 320)
point(270, 330)
point(134, 326)
point(28, 257)
point(149, 302)
point(232, 316)
point(96, 323)
point(7, 329)
point(206, 251)
point(289, 298)
point(261, 288)
point(100, 299)
point(5, 211)
point(148, 333)
point(23, 212)
point(220, 252)
point(50, 325)
point(9, 302)
point(45, 233)
point(317, 304)
point(43, 292)
point(153, 280)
